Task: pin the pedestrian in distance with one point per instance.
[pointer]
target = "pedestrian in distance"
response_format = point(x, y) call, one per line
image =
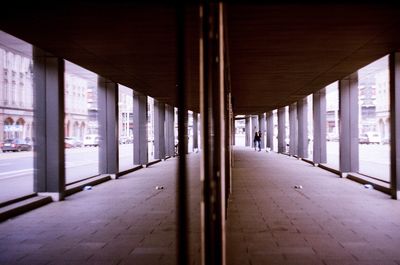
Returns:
point(257, 141)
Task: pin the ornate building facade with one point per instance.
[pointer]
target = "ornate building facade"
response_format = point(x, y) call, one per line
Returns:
point(17, 94)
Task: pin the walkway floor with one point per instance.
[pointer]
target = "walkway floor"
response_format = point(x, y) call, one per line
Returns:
point(123, 221)
point(127, 221)
point(329, 221)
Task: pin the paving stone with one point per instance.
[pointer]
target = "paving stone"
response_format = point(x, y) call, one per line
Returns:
point(329, 221)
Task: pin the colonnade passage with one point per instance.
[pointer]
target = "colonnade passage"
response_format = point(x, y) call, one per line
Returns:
point(126, 132)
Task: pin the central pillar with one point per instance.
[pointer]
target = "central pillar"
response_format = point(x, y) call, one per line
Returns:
point(213, 106)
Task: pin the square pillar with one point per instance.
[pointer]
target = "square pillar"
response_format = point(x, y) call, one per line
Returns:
point(319, 114)
point(254, 129)
point(261, 124)
point(213, 100)
point(248, 139)
point(159, 135)
point(394, 83)
point(281, 130)
point(139, 129)
point(195, 131)
point(293, 134)
point(108, 126)
point(49, 158)
point(270, 129)
point(302, 123)
point(170, 123)
point(185, 115)
point(348, 124)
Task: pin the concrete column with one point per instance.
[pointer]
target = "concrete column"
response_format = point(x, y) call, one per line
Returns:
point(233, 128)
point(186, 131)
point(281, 130)
point(293, 133)
point(166, 131)
point(49, 158)
point(140, 156)
point(348, 124)
point(254, 126)
point(108, 126)
point(159, 136)
point(319, 114)
point(169, 131)
point(270, 129)
point(261, 124)
point(212, 105)
point(195, 131)
point(394, 70)
point(302, 142)
point(248, 140)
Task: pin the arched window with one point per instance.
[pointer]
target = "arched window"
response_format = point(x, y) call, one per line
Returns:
point(19, 128)
point(8, 128)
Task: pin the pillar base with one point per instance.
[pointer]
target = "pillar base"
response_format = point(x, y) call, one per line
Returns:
point(55, 196)
point(396, 195)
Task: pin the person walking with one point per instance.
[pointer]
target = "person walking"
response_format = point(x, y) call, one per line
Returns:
point(257, 141)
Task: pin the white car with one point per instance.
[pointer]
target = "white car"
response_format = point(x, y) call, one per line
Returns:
point(373, 137)
point(91, 140)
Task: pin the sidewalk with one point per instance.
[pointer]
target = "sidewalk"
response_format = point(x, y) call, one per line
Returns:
point(329, 221)
point(123, 221)
point(127, 221)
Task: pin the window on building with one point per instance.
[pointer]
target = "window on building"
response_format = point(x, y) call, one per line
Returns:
point(332, 125)
point(125, 127)
point(16, 137)
point(374, 117)
point(81, 124)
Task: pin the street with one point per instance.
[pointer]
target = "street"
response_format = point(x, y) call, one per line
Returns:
point(16, 169)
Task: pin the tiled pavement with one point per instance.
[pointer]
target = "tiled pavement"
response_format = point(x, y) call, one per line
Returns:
point(123, 221)
point(127, 221)
point(329, 221)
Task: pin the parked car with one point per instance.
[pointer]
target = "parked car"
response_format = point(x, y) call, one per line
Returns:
point(124, 140)
point(71, 142)
point(16, 145)
point(332, 137)
point(374, 137)
point(369, 138)
point(91, 140)
point(363, 139)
